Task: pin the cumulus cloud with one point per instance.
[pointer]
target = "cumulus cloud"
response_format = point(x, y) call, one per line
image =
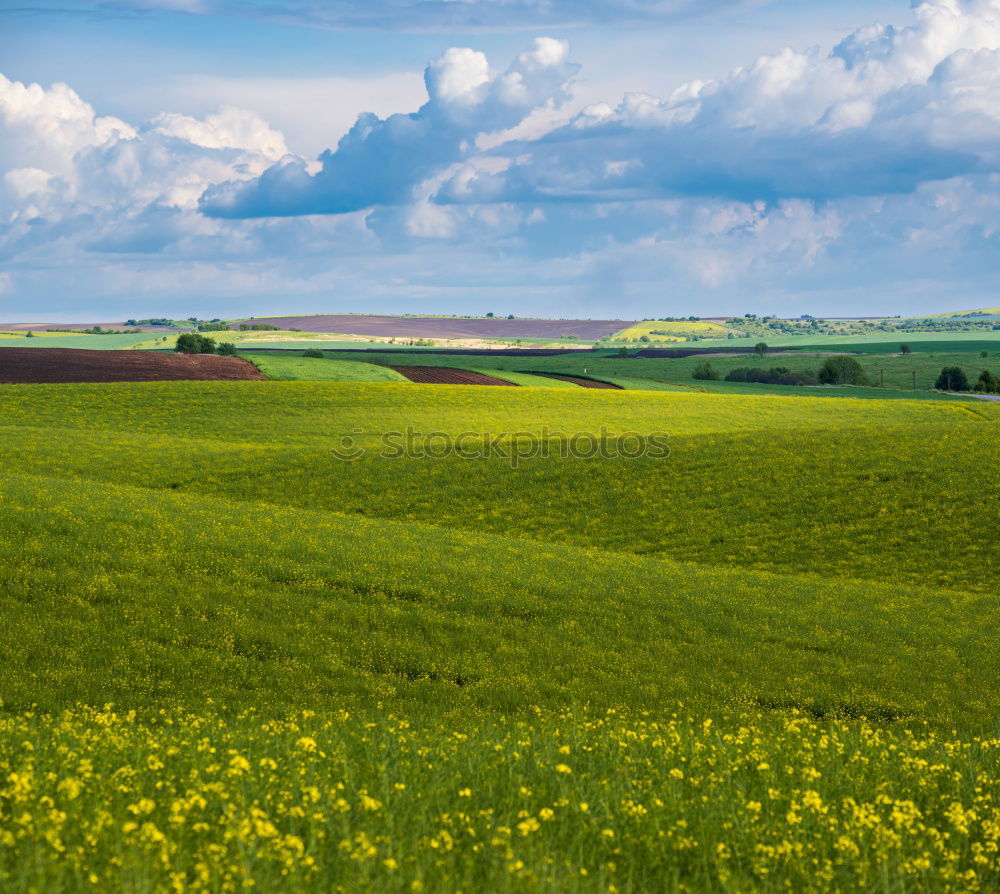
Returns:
point(72, 181)
point(381, 161)
point(43, 129)
point(796, 180)
point(886, 110)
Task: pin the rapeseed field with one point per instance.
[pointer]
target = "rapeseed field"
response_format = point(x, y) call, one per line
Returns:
point(231, 659)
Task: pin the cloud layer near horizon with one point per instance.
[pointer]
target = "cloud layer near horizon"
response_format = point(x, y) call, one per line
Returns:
point(800, 176)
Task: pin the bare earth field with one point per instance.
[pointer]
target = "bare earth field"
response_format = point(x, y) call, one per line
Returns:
point(29, 365)
point(580, 380)
point(447, 327)
point(440, 375)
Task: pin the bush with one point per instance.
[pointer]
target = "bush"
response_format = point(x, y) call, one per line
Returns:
point(313, 352)
point(258, 327)
point(987, 383)
point(213, 327)
point(905, 349)
point(29, 334)
point(952, 378)
point(777, 375)
point(842, 370)
point(193, 343)
point(226, 349)
point(706, 371)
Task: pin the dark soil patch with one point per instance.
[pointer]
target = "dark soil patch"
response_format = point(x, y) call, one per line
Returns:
point(578, 380)
point(441, 375)
point(35, 365)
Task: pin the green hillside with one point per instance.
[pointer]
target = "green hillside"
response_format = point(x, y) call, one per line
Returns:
point(557, 624)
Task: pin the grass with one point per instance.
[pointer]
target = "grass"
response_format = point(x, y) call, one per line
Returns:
point(898, 372)
point(73, 340)
point(764, 661)
point(285, 367)
point(565, 802)
point(879, 341)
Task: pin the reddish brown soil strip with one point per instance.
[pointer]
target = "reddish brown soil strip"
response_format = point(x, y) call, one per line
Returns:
point(442, 375)
point(446, 327)
point(30, 365)
point(579, 380)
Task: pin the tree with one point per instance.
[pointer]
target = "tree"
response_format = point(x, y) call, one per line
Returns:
point(226, 349)
point(705, 371)
point(490, 315)
point(987, 383)
point(952, 378)
point(984, 354)
point(29, 334)
point(905, 349)
point(842, 370)
point(760, 349)
point(193, 343)
point(313, 352)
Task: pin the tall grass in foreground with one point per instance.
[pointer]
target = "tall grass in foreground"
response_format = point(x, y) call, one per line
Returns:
point(96, 800)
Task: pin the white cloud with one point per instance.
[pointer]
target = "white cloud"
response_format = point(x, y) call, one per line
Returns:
point(799, 178)
point(381, 161)
point(44, 128)
point(311, 113)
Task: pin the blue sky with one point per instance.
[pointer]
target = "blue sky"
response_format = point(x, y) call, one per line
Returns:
point(595, 157)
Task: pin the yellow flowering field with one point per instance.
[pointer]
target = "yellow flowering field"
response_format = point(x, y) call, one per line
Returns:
point(765, 659)
point(95, 799)
point(671, 330)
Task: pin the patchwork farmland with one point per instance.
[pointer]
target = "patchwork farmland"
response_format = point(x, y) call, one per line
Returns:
point(356, 622)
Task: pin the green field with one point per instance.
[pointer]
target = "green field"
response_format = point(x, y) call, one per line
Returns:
point(878, 340)
point(73, 340)
point(888, 372)
point(293, 367)
point(760, 654)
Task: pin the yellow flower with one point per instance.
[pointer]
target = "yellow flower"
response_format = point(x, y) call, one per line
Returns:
point(526, 827)
point(562, 768)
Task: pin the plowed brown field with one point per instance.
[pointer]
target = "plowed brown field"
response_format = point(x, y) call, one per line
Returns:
point(578, 380)
point(441, 375)
point(29, 365)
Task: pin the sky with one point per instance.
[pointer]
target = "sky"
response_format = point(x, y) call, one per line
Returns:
point(558, 158)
